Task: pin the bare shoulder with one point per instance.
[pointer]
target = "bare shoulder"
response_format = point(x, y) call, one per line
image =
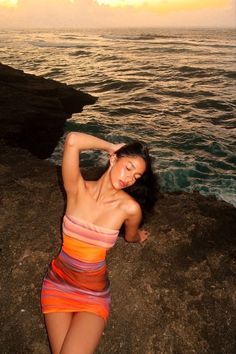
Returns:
point(130, 205)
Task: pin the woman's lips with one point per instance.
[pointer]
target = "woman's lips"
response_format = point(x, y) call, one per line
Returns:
point(122, 184)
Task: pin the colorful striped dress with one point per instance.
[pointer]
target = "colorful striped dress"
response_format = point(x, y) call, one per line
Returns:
point(77, 278)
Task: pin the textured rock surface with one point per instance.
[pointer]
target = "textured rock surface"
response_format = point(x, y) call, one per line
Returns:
point(173, 294)
point(33, 110)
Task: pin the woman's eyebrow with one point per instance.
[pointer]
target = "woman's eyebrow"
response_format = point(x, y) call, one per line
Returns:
point(132, 164)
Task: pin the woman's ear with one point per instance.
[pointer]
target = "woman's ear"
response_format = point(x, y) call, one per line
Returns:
point(113, 159)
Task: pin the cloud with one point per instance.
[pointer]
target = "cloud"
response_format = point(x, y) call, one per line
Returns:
point(165, 5)
point(89, 14)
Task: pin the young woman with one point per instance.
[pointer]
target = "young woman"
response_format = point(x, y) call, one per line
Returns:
point(75, 294)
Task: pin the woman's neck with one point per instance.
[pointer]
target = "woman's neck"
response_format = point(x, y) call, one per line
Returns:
point(103, 188)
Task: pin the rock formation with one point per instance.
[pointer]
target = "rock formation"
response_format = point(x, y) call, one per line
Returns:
point(34, 110)
point(176, 293)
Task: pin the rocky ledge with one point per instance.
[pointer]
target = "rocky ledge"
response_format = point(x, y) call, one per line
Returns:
point(175, 293)
point(33, 110)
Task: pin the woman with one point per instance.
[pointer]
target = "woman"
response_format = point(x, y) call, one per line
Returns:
point(75, 295)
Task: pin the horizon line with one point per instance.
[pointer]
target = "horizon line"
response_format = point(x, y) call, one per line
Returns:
point(119, 27)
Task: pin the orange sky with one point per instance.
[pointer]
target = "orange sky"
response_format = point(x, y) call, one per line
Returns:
point(115, 13)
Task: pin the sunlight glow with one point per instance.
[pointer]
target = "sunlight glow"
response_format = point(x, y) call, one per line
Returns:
point(166, 5)
point(14, 3)
point(8, 3)
point(124, 3)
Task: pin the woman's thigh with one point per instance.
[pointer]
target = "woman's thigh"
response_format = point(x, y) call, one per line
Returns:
point(84, 334)
point(58, 324)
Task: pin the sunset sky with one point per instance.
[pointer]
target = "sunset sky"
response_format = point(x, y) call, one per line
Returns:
point(116, 13)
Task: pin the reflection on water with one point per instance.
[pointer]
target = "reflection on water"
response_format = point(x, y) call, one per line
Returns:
point(174, 89)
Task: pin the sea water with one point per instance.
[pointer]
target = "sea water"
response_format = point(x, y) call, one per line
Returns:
point(172, 88)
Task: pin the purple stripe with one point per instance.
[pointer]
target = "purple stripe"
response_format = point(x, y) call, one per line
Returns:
point(78, 265)
point(50, 284)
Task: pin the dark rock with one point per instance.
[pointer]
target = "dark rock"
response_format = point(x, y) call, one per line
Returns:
point(33, 110)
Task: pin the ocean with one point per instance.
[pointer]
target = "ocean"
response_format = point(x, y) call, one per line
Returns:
point(172, 88)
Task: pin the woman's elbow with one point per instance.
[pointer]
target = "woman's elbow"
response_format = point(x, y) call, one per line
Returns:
point(73, 140)
point(70, 139)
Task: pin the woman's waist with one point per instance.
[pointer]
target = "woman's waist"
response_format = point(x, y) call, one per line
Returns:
point(83, 251)
point(83, 275)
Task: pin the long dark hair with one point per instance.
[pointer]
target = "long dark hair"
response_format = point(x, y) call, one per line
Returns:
point(146, 189)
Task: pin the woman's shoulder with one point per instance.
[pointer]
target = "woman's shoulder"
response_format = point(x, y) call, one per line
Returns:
point(129, 204)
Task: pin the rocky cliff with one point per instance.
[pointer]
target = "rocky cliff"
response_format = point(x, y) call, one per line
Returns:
point(33, 110)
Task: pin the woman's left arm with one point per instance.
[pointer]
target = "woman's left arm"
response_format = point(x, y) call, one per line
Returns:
point(132, 231)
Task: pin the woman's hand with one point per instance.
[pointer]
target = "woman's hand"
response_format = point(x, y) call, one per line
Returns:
point(114, 147)
point(143, 235)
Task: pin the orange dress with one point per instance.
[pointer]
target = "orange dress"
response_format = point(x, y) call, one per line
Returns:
point(77, 278)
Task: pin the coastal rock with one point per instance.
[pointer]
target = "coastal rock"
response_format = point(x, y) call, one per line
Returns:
point(34, 110)
point(175, 293)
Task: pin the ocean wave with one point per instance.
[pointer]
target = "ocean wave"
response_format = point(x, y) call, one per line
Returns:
point(213, 104)
point(169, 49)
point(176, 93)
point(71, 37)
point(133, 37)
point(193, 71)
point(227, 197)
point(119, 85)
point(45, 44)
point(105, 57)
point(147, 99)
point(230, 46)
point(230, 74)
point(188, 180)
point(53, 72)
point(79, 53)
point(198, 44)
point(226, 120)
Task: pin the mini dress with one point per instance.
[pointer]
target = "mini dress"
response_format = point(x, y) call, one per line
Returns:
point(76, 280)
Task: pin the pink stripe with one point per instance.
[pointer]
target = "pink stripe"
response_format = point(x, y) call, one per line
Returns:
point(88, 238)
point(90, 225)
point(91, 235)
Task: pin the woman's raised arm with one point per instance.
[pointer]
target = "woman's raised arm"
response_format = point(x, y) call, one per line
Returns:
point(74, 143)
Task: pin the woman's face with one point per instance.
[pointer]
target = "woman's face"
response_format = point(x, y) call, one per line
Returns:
point(126, 170)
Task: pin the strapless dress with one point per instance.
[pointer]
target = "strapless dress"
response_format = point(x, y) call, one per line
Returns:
point(77, 279)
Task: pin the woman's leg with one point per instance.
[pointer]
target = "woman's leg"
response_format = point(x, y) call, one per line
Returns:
point(84, 334)
point(58, 324)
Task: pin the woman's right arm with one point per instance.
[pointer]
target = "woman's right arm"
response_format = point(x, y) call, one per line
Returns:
point(74, 143)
